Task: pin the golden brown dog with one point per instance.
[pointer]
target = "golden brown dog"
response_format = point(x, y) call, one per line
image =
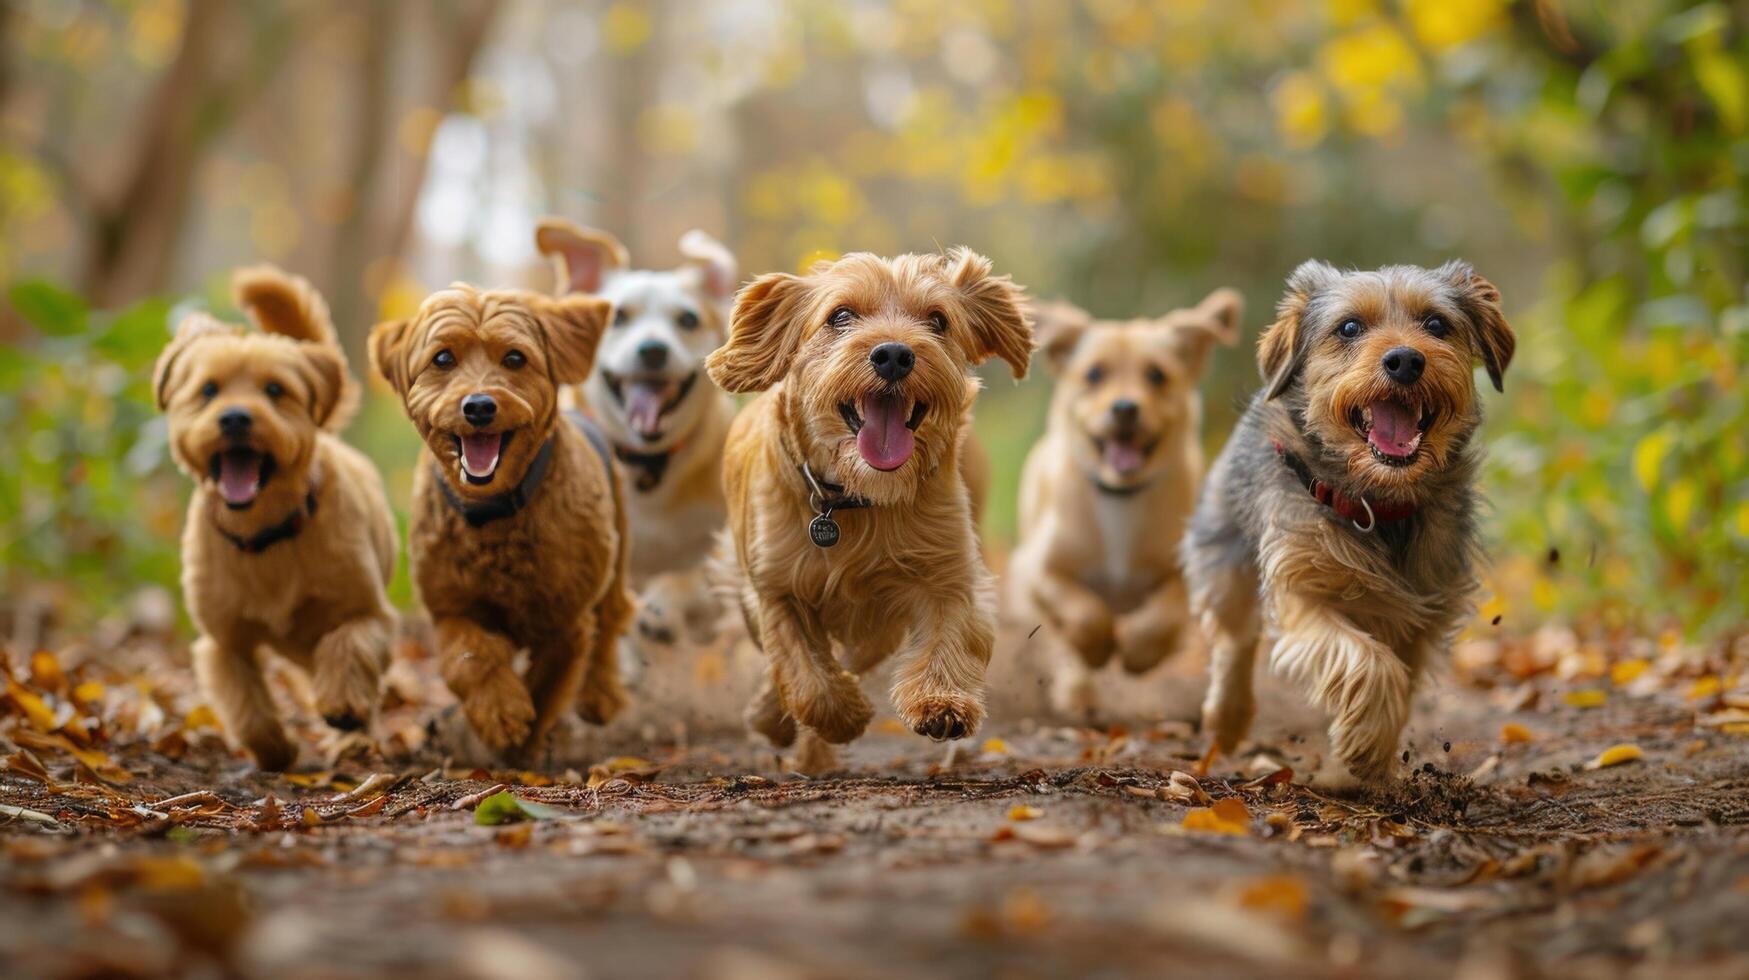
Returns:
point(1106, 493)
point(518, 536)
point(848, 517)
point(666, 421)
point(1344, 502)
point(289, 543)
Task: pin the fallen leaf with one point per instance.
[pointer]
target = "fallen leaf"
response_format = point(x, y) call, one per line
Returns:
point(1615, 755)
point(1513, 733)
point(46, 673)
point(1183, 787)
point(1589, 698)
point(507, 807)
point(995, 746)
point(202, 717)
point(1281, 895)
point(1228, 816)
point(1041, 836)
point(1705, 687)
point(1624, 672)
point(1021, 811)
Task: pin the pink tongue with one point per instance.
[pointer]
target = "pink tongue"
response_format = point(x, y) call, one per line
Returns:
point(1395, 429)
point(1122, 457)
point(239, 477)
point(480, 452)
point(644, 404)
point(883, 441)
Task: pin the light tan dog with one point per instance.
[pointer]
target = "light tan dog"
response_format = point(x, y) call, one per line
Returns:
point(518, 536)
point(666, 420)
point(289, 543)
point(850, 523)
point(1339, 523)
point(1106, 492)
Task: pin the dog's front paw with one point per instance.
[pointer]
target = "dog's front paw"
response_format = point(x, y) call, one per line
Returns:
point(499, 709)
point(1074, 695)
point(1142, 647)
point(270, 748)
point(1227, 719)
point(944, 718)
point(601, 698)
point(767, 716)
point(1092, 635)
point(840, 716)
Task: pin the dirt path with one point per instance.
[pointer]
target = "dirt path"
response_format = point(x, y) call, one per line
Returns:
point(1035, 851)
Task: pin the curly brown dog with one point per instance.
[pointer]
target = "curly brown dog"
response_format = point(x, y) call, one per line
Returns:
point(289, 543)
point(518, 537)
point(1106, 493)
point(848, 516)
point(1344, 503)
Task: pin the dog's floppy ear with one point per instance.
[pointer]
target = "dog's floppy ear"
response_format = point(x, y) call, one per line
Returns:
point(331, 397)
point(386, 356)
point(571, 329)
point(996, 310)
point(1494, 336)
point(1213, 321)
point(193, 328)
point(765, 331)
point(1058, 327)
point(1280, 352)
point(582, 255)
point(713, 263)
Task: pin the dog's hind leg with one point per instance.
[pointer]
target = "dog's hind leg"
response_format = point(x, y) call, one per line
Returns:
point(347, 671)
point(1225, 604)
point(820, 694)
point(938, 687)
point(1363, 686)
point(476, 664)
point(230, 679)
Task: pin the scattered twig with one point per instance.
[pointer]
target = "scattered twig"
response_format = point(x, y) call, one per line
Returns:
point(474, 799)
point(33, 816)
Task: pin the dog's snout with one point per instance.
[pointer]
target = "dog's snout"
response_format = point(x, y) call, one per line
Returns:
point(235, 423)
point(653, 355)
point(479, 409)
point(892, 360)
point(1125, 411)
point(1404, 364)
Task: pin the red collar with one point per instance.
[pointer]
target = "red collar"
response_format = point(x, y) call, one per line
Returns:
point(1362, 513)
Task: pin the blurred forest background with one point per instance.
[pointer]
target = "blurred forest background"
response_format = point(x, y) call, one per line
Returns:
point(1588, 157)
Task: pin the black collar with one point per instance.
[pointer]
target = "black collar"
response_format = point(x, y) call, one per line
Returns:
point(1109, 490)
point(285, 530)
point(650, 467)
point(826, 497)
point(506, 504)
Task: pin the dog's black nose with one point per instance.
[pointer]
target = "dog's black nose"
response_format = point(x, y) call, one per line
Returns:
point(892, 360)
point(1125, 411)
point(653, 355)
point(479, 409)
point(235, 423)
point(1404, 364)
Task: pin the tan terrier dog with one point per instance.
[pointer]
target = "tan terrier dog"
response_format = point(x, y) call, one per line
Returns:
point(848, 516)
point(1340, 519)
point(666, 421)
point(518, 536)
point(1106, 493)
point(290, 542)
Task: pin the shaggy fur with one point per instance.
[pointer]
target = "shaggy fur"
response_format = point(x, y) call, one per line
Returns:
point(549, 578)
point(907, 576)
point(1354, 616)
point(666, 420)
point(252, 417)
point(1106, 493)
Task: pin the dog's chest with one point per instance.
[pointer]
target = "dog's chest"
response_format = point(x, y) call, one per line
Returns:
point(1121, 526)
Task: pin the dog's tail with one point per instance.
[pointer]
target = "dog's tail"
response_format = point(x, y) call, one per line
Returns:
point(280, 303)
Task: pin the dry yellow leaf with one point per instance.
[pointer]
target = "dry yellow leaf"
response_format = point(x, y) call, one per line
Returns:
point(46, 673)
point(1284, 895)
point(1615, 755)
point(1589, 698)
point(33, 707)
point(89, 693)
point(1023, 812)
point(201, 717)
point(996, 746)
point(1735, 728)
point(1227, 816)
point(1627, 670)
point(1705, 687)
point(1513, 732)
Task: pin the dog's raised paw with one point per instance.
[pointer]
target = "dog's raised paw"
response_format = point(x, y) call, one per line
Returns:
point(840, 720)
point(500, 710)
point(945, 720)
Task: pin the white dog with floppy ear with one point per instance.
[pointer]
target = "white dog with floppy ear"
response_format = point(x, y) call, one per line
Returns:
point(665, 418)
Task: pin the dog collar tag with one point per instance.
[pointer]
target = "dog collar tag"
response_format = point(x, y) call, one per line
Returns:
point(823, 530)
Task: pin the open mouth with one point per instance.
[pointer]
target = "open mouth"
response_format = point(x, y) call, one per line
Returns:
point(1125, 454)
point(647, 399)
point(1392, 429)
point(240, 474)
point(884, 425)
point(479, 454)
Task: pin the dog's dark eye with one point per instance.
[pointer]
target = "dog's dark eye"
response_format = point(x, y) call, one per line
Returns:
point(938, 320)
point(840, 317)
point(209, 390)
point(1096, 374)
point(687, 320)
point(1348, 329)
point(274, 389)
point(621, 317)
point(444, 359)
point(1156, 377)
point(515, 359)
point(1436, 325)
